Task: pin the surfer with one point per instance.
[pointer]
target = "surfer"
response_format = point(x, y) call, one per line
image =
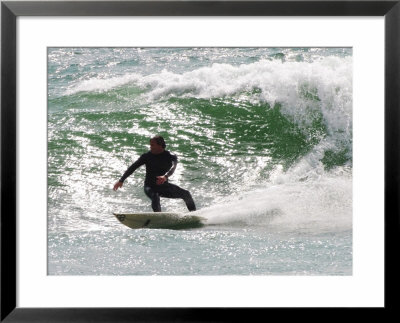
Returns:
point(160, 165)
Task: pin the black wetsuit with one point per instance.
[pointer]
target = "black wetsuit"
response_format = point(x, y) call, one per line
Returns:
point(163, 164)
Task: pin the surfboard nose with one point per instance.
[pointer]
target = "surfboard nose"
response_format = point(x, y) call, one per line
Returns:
point(120, 217)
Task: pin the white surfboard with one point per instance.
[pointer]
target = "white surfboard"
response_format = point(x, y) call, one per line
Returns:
point(160, 220)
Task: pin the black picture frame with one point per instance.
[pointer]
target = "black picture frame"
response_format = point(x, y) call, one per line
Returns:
point(10, 10)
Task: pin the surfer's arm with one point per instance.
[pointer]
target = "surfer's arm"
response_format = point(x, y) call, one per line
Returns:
point(141, 161)
point(172, 170)
point(173, 167)
point(162, 179)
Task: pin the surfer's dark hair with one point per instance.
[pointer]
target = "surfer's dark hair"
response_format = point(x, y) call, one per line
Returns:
point(160, 141)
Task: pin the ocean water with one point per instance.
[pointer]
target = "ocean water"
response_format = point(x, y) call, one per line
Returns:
point(264, 142)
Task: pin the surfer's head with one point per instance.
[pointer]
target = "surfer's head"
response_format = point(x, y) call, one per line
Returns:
point(157, 144)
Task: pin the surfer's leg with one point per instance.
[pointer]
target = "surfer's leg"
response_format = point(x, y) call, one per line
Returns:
point(187, 197)
point(174, 191)
point(155, 198)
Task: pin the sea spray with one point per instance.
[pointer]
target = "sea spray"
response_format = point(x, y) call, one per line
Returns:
point(310, 206)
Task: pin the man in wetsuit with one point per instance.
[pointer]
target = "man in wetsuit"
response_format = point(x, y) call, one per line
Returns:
point(160, 165)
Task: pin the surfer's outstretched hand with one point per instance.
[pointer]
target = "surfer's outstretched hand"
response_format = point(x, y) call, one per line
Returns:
point(117, 185)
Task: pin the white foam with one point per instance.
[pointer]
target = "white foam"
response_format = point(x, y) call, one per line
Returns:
point(102, 84)
point(318, 205)
point(291, 84)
